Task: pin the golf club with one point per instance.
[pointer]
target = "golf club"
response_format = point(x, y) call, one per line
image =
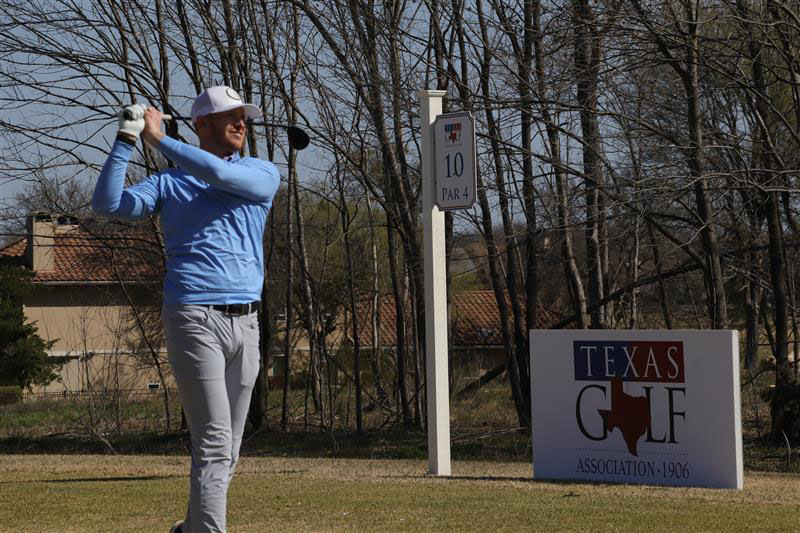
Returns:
point(298, 139)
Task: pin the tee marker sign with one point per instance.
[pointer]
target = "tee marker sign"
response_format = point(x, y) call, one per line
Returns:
point(455, 177)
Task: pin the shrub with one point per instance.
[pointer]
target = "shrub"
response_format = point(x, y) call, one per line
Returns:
point(784, 401)
point(10, 394)
point(24, 357)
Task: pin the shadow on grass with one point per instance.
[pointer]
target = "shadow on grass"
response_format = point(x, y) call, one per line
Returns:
point(142, 443)
point(92, 479)
point(446, 479)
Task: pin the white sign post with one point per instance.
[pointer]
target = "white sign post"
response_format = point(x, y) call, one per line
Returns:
point(639, 406)
point(449, 179)
point(456, 166)
point(437, 387)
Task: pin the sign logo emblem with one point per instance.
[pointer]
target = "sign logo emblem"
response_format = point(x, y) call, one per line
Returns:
point(452, 132)
point(632, 361)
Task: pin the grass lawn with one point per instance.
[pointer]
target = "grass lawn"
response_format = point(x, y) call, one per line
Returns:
point(146, 493)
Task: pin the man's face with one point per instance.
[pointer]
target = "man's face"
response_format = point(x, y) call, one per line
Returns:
point(222, 133)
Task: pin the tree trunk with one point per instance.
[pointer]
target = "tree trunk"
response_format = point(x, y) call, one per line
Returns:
point(587, 61)
point(495, 266)
point(717, 300)
point(662, 291)
point(345, 218)
point(562, 184)
point(377, 350)
point(400, 323)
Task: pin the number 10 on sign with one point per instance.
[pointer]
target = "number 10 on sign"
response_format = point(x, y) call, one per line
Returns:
point(455, 172)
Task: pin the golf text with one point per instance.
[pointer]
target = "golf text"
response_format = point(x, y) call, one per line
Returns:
point(635, 416)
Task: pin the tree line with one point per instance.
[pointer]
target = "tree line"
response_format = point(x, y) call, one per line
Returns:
point(639, 155)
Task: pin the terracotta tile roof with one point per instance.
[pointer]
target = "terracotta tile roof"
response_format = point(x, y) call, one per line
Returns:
point(474, 320)
point(82, 256)
point(14, 250)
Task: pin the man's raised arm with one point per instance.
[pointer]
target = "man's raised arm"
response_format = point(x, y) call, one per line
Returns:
point(253, 179)
point(110, 197)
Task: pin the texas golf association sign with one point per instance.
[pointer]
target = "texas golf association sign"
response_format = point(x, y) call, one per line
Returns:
point(638, 406)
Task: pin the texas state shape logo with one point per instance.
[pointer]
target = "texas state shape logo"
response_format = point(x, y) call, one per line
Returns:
point(452, 132)
point(617, 362)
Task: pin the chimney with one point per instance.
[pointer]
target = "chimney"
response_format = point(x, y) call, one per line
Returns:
point(40, 252)
point(64, 224)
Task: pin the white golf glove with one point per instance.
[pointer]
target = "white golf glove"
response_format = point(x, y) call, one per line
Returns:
point(131, 120)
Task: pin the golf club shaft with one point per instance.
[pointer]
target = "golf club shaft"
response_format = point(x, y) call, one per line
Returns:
point(298, 139)
point(252, 122)
point(166, 117)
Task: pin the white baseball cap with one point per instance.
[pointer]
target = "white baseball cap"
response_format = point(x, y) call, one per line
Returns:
point(221, 98)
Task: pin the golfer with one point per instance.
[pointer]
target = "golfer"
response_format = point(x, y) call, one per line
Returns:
point(213, 208)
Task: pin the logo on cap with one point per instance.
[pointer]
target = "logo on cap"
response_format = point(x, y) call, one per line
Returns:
point(232, 94)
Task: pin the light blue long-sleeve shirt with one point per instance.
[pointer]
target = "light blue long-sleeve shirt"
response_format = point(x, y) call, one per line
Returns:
point(213, 212)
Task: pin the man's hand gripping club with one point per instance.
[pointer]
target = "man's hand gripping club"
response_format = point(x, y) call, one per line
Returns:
point(138, 119)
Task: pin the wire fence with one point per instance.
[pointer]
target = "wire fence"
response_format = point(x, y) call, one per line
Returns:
point(126, 394)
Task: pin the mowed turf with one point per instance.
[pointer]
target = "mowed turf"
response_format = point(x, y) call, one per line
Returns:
point(146, 493)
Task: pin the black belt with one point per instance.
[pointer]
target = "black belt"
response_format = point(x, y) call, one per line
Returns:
point(238, 309)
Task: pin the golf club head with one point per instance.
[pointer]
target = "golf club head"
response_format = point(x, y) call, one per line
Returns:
point(298, 139)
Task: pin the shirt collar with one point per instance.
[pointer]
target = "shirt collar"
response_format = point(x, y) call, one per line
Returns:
point(232, 158)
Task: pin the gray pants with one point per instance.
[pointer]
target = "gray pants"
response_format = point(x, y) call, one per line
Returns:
point(215, 361)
